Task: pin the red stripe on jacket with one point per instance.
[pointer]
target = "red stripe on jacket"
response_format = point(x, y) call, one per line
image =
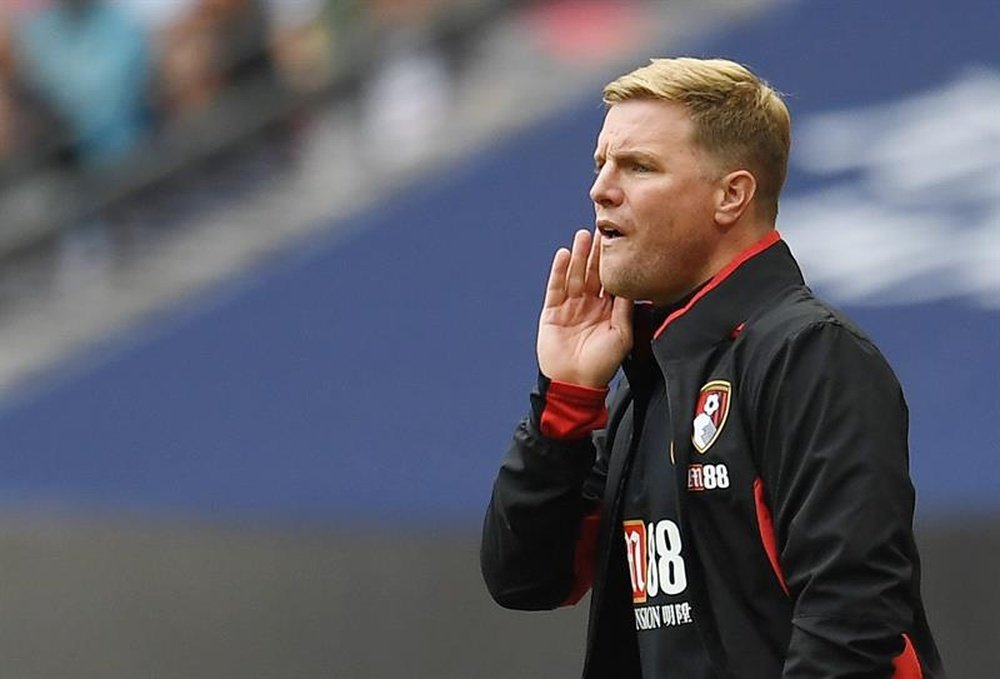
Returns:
point(583, 558)
point(766, 526)
point(572, 411)
point(906, 665)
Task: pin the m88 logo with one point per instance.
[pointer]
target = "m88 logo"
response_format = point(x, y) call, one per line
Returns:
point(654, 556)
point(707, 477)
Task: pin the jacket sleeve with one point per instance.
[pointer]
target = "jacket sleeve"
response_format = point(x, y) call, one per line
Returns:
point(832, 428)
point(540, 526)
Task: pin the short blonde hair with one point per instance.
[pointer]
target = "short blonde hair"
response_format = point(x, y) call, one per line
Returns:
point(738, 118)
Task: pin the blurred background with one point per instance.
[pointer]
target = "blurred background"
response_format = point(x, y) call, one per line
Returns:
point(269, 275)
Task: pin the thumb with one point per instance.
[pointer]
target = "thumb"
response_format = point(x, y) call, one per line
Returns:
point(621, 319)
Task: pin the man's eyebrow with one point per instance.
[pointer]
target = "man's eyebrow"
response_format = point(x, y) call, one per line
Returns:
point(635, 154)
point(627, 154)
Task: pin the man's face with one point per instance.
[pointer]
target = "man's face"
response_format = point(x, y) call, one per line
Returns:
point(654, 201)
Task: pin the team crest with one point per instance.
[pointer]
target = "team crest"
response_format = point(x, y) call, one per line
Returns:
point(710, 414)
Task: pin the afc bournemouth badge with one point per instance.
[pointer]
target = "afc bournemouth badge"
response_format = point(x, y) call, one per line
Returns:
point(710, 414)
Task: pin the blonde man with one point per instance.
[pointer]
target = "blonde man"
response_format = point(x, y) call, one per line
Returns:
point(741, 507)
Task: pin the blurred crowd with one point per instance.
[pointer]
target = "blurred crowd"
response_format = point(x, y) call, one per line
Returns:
point(86, 82)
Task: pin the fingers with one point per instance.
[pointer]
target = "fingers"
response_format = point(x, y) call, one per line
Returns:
point(577, 276)
point(555, 289)
point(593, 280)
point(575, 272)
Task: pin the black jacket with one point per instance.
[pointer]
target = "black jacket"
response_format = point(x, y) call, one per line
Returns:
point(802, 564)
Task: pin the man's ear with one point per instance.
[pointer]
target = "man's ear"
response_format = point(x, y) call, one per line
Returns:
point(734, 196)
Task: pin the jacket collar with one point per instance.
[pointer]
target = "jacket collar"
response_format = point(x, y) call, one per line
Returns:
point(719, 308)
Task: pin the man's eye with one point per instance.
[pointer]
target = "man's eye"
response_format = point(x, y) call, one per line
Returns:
point(639, 167)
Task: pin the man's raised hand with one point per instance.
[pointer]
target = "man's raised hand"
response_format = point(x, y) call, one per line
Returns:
point(583, 335)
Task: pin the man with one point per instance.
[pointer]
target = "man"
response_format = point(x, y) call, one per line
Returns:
point(742, 506)
point(91, 64)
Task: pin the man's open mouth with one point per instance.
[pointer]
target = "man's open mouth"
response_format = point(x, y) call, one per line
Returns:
point(609, 231)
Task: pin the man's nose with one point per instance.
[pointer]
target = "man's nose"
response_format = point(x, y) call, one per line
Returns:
point(605, 190)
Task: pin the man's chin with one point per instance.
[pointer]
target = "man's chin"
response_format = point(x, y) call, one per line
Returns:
point(615, 287)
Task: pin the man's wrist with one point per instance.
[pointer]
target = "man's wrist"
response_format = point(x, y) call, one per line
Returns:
point(565, 411)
